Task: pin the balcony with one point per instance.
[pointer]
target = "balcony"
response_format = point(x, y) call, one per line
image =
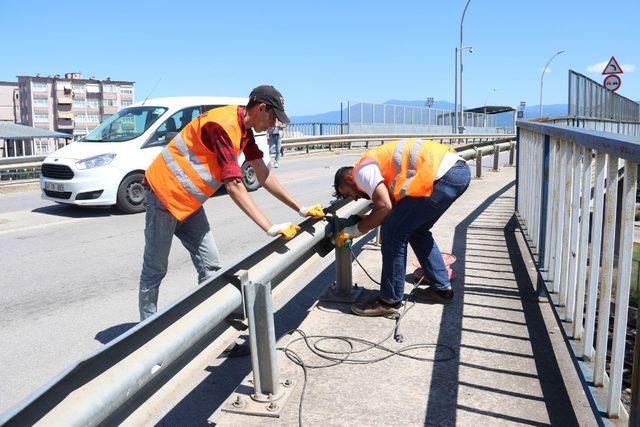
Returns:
point(64, 100)
point(64, 124)
point(65, 115)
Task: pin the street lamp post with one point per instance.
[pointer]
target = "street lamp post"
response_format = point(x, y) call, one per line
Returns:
point(544, 71)
point(461, 50)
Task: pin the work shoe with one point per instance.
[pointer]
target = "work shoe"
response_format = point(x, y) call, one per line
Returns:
point(375, 307)
point(434, 295)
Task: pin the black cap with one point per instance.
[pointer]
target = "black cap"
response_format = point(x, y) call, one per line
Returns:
point(270, 96)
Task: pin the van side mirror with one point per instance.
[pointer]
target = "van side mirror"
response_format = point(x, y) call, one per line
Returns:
point(170, 136)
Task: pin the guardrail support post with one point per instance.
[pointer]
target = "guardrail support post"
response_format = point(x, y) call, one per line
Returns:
point(479, 163)
point(343, 289)
point(512, 153)
point(496, 158)
point(269, 395)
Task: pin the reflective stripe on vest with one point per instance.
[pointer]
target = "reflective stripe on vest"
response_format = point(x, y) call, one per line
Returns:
point(397, 161)
point(198, 166)
point(413, 162)
point(182, 178)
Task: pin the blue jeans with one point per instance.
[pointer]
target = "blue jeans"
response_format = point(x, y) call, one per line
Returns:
point(194, 233)
point(275, 141)
point(410, 222)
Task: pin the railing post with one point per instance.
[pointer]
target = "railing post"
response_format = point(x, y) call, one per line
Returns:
point(544, 194)
point(269, 395)
point(517, 167)
point(512, 153)
point(496, 158)
point(343, 289)
point(479, 163)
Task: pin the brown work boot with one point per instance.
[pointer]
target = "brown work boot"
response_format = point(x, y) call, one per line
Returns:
point(433, 294)
point(375, 307)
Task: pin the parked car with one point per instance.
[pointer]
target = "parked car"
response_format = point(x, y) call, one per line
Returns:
point(106, 166)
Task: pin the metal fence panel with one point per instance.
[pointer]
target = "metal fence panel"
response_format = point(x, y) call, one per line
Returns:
point(587, 98)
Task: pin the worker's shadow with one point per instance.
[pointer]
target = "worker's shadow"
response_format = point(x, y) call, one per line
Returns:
point(113, 332)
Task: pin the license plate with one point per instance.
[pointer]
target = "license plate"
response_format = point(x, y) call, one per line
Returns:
point(52, 186)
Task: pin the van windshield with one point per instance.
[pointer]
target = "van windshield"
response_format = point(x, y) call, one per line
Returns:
point(127, 124)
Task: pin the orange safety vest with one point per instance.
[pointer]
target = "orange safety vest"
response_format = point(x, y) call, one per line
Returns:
point(186, 173)
point(408, 166)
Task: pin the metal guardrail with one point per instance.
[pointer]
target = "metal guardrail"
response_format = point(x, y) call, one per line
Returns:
point(567, 210)
point(13, 166)
point(347, 141)
point(101, 385)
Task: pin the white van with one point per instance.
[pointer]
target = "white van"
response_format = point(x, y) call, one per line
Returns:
point(106, 166)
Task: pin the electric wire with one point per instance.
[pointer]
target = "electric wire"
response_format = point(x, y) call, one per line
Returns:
point(338, 357)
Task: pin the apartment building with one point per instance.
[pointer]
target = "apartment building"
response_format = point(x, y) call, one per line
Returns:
point(9, 102)
point(71, 104)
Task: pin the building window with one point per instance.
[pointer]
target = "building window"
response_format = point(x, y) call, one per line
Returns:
point(93, 118)
point(40, 102)
point(109, 103)
point(126, 91)
point(40, 118)
point(93, 88)
point(78, 88)
point(78, 103)
point(126, 103)
point(39, 87)
point(79, 118)
point(109, 88)
point(93, 103)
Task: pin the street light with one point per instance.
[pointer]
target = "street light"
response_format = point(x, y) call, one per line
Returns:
point(461, 51)
point(544, 71)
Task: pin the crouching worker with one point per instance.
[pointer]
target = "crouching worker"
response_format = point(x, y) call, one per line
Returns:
point(411, 184)
point(199, 160)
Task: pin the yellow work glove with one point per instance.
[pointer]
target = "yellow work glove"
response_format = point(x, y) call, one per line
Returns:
point(343, 239)
point(314, 211)
point(286, 230)
point(347, 235)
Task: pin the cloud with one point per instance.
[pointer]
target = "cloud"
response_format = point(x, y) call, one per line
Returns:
point(597, 68)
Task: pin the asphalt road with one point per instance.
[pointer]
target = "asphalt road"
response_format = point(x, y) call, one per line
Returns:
point(69, 276)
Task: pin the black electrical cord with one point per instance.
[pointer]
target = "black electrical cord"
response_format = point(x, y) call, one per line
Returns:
point(338, 357)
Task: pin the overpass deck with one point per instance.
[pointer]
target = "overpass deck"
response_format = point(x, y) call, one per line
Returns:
point(500, 356)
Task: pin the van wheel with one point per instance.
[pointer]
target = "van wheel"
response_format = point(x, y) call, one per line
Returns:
point(131, 194)
point(249, 177)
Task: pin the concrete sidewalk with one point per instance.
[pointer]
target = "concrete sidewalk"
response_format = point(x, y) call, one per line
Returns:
point(500, 357)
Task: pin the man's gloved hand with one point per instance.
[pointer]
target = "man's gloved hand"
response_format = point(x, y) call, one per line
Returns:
point(314, 211)
point(286, 230)
point(346, 222)
point(346, 236)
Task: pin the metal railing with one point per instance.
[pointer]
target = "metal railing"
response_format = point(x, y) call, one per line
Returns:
point(567, 194)
point(16, 169)
point(28, 147)
point(108, 382)
point(605, 125)
point(588, 98)
point(361, 113)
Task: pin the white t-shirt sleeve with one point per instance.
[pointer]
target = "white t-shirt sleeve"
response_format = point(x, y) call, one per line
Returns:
point(368, 178)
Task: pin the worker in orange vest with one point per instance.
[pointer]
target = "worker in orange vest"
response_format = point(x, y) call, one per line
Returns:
point(411, 183)
point(199, 160)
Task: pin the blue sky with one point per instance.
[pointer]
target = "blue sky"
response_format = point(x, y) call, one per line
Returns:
point(321, 53)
